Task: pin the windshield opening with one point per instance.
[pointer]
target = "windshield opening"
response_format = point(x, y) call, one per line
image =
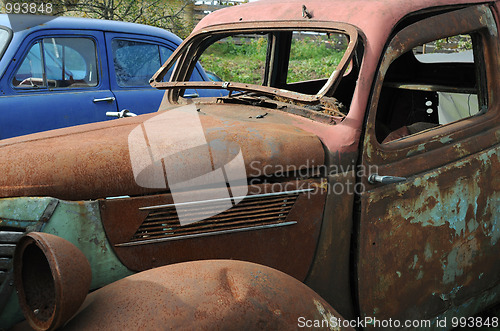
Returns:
point(299, 61)
point(303, 64)
point(304, 60)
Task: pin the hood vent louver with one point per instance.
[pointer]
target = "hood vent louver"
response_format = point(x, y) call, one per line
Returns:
point(254, 212)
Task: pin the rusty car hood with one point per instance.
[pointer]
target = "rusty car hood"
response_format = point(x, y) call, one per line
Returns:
point(94, 161)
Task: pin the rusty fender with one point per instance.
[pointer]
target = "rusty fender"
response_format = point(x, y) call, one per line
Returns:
point(207, 294)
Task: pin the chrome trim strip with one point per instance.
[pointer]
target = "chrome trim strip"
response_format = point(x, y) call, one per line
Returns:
point(158, 240)
point(225, 199)
point(118, 197)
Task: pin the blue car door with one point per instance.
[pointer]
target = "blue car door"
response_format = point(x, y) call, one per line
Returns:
point(56, 79)
point(133, 60)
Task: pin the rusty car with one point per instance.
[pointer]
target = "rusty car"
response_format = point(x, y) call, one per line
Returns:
point(375, 182)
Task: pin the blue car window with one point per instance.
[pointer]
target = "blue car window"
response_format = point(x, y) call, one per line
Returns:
point(59, 63)
point(135, 62)
point(30, 73)
point(70, 62)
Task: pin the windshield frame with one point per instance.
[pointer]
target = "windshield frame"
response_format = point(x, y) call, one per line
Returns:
point(189, 51)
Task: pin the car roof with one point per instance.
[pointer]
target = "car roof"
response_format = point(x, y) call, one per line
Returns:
point(376, 18)
point(26, 24)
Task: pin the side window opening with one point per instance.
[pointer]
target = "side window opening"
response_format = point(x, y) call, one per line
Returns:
point(30, 74)
point(135, 62)
point(70, 62)
point(435, 84)
point(59, 63)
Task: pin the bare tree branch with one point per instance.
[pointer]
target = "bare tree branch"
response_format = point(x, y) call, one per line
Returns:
point(169, 15)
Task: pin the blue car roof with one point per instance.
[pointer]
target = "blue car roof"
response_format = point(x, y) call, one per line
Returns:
point(22, 25)
point(25, 24)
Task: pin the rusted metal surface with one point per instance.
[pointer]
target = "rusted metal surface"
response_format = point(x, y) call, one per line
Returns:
point(433, 239)
point(289, 248)
point(424, 248)
point(52, 278)
point(380, 15)
point(436, 245)
point(345, 136)
point(78, 222)
point(375, 21)
point(406, 150)
point(93, 161)
point(331, 273)
point(16, 218)
point(204, 295)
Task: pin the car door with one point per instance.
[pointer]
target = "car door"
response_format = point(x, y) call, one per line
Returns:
point(56, 79)
point(429, 231)
point(133, 60)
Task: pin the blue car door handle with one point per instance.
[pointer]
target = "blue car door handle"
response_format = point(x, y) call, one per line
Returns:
point(120, 114)
point(108, 99)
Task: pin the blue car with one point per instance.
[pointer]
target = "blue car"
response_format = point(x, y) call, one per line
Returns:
point(71, 71)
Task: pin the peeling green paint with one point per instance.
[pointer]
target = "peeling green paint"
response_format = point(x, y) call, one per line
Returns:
point(450, 206)
point(472, 225)
point(418, 149)
point(427, 252)
point(414, 264)
point(469, 307)
point(442, 223)
point(77, 222)
point(80, 224)
point(494, 233)
point(461, 256)
point(23, 209)
point(458, 199)
point(446, 139)
point(451, 269)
